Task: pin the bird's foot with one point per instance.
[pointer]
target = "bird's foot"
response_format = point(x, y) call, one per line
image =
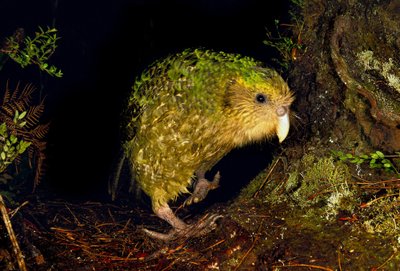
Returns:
point(203, 226)
point(201, 189)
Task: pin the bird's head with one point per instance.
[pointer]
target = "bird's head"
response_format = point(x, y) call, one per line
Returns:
point(258, 107)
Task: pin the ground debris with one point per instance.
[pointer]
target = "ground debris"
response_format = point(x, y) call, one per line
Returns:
point(103, 236)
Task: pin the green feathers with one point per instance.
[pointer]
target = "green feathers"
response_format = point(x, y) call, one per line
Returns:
point(189, 74)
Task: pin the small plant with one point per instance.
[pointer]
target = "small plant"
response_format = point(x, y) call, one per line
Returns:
point(287, 46)
point(288, 41)
point(375, 160)
point(21, 129)
point(11, 146)
point(37, 50)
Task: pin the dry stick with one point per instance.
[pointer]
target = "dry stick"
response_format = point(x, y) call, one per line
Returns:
point(214, 245)
point(170, 265)
point(76, 219)
point(339, 260)
point(305, 265)
point(385, 262)
point(251, 247)
point(364, 205)
point(247, 253)
point(14, 242)
point(12, 213)
point(266, 178)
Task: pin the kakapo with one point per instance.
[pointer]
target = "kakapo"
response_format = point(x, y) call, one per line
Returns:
point(189, 110)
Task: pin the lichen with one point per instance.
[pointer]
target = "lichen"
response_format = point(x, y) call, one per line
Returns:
point(385, 68)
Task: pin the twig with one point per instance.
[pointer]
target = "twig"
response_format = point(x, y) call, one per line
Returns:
point(306, 265)
point(385, 262)
point(14, 242)
point(214, 245)
point(12, 213)
point(247, 253)
point(364, 205)
point(266, 178)
point(73, 215)
point(170, 265)
point(126, 225)
point(339, 260)
point(251, 247)
point(111, 215)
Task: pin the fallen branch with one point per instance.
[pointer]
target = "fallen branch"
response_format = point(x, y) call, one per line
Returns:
point(13, 238)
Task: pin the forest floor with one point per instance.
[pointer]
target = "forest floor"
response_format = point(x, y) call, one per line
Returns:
point(253, 234)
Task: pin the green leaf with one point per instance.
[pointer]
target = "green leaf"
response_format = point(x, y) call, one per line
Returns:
point(22, 146)
point(360, 161)
point(372, 162)
point(16, 116)
point(384, 161)
point(3, 155)
point(354, 161)
point(13, 139)
point(374, 156)
point(22, 115)
point(380, 154)
point(3, 128)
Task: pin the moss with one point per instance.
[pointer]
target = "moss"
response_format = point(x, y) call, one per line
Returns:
point(317, 208)
point(382, 216)
point(325, 184)
point(249, 190)
point(314, 182)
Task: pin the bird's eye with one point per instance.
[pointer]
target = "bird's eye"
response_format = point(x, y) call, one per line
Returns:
point(261, 98)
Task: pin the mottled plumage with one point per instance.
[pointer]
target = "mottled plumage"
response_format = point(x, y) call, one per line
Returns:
point(189, 110)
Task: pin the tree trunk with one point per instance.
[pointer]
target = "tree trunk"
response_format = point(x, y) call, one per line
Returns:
point(337, 214)
point(347, 81)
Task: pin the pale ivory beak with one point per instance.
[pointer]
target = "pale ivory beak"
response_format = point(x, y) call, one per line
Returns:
point(283, 127)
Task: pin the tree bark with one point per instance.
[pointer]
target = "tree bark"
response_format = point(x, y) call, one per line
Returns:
point(347, 81)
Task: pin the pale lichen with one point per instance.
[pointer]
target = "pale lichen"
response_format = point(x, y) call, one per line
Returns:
point(387, 69)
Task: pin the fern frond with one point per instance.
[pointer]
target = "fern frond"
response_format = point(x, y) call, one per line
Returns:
point(19, 99)
point(40, 131)
point(33, 115)
point(25, 128)
point(7, 94)
point(15, 92)
point(39, 153)
point(26, 93)
point(22, 99)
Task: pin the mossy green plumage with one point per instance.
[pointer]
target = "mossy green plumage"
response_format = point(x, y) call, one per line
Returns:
point(189, 110)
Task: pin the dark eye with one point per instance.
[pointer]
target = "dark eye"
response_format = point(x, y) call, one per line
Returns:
point(261, 98)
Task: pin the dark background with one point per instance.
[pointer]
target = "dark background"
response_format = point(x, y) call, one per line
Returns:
point(104, 45)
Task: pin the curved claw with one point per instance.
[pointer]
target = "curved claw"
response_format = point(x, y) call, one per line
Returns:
point(203, 226)
point(201, 189)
